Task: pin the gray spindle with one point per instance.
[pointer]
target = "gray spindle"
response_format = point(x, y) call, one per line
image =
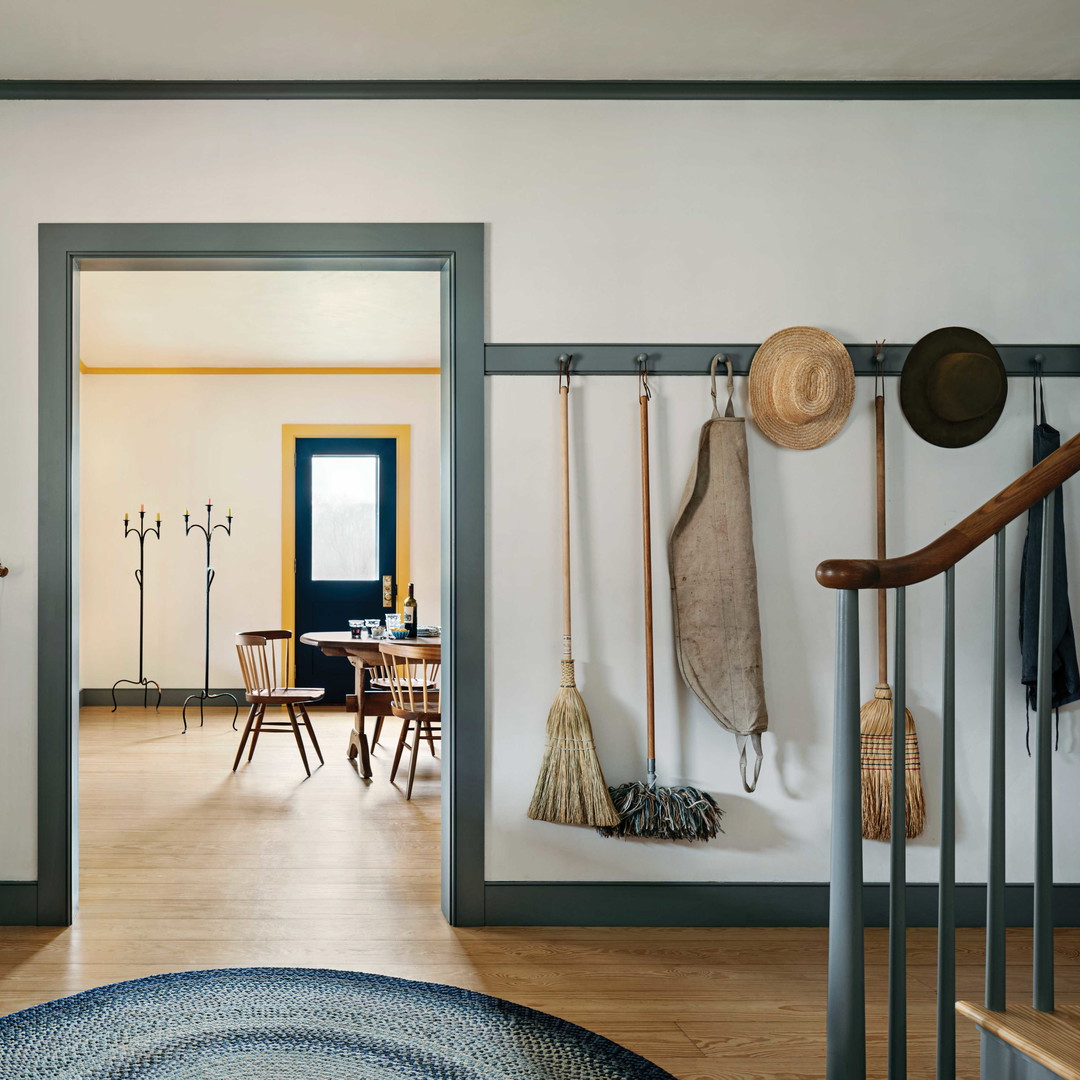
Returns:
point(995, 875)
point(946, 959)
point(1043, 990)
point(897, 1042)
point(846, 1054)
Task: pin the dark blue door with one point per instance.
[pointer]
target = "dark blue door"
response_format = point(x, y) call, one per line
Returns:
point(346, 546)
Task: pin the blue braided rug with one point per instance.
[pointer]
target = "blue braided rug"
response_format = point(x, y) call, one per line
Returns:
point(300, 1024)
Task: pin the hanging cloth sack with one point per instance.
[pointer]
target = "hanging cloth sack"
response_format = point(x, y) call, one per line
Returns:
point(1065, 672)
point(714, 582)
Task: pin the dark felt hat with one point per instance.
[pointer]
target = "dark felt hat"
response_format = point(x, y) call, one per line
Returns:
point(953, 387)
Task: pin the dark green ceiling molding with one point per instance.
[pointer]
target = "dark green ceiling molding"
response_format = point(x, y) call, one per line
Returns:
point(539, 89)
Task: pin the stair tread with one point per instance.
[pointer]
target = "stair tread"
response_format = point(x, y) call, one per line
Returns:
point(1051, 1039)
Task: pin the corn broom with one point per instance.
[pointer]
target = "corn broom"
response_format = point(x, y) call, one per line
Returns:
point(570, 789)
point(876, 716)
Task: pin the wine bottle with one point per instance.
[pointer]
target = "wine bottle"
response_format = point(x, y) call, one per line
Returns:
point(409, 613)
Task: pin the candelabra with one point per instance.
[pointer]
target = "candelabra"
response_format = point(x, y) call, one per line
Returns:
point(141, 532)
point(204, 694)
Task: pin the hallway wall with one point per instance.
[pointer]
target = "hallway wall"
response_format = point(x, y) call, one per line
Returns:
point(633, 221)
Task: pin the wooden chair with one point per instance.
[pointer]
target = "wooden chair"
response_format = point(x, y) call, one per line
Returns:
point(411, 670)
point(260, 652)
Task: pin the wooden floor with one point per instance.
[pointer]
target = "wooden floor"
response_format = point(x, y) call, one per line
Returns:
point(185, 865)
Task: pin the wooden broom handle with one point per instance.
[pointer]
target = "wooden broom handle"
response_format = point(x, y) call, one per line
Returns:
point(646, 548)
point(564, 402)
point(882, 602)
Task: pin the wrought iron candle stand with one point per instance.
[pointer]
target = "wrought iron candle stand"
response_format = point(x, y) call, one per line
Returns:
point(204, 694)
point(141, 532)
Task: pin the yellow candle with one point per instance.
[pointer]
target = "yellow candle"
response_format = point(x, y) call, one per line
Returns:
point(230, 512)
point(186, 512)
point(159, 515)
point(126, 518)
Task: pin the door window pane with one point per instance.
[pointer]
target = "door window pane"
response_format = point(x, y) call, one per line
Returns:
point(344, 518)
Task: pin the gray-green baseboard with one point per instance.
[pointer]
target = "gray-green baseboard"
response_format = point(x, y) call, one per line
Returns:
point(18, 903)
point(635, 903)
point(630, 903)
point(129, 696)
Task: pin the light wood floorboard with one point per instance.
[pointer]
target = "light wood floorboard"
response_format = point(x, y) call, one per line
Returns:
point(186, 865)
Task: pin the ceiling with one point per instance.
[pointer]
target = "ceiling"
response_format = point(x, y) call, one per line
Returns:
point(540, 39)
point(253, 318)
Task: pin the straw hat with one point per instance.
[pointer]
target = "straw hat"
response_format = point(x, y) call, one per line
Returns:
point(953, 387)
point(802, 386)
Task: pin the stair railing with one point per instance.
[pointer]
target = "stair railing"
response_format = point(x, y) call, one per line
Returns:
point(846, 1023)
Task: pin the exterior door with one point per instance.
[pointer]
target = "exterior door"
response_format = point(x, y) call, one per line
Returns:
point(346, 546)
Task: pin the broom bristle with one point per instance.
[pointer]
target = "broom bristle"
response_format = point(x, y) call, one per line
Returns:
point(571, 789)
point(660, 813)
point(875, 723)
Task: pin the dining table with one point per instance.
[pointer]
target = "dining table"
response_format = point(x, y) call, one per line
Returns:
point(363, 654)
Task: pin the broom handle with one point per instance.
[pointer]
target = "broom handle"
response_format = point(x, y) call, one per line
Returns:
point(564, 395)
point(882, 603)
point(646, 545)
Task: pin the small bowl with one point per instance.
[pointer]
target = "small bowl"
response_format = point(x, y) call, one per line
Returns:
point(399, 632)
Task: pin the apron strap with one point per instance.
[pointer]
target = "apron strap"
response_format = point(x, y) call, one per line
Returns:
point(730, 410)
point(740, 742)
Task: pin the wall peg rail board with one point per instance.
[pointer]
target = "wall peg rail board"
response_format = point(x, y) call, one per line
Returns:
point(694, 359)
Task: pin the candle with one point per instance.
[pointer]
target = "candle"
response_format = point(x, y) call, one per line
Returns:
point(187, 512)
point(209, 501)
point(230, 512)
point(126, 518)
point(142, 508)
point(159, 516)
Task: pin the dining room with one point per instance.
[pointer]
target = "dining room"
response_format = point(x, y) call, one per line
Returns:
point(259, 554)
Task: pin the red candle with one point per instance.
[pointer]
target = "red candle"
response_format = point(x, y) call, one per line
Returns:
point(209, 501)
point(142, 508)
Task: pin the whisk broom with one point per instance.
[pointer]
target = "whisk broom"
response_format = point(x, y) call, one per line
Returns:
point(646, 809)
point(876, 716)
point(570, 789)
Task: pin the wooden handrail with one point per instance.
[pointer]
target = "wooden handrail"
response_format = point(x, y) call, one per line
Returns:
point(949, 548)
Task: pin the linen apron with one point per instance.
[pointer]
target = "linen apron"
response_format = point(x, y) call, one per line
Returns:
point(714, 583)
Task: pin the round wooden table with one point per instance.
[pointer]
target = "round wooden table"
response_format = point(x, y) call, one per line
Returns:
point(362, 653)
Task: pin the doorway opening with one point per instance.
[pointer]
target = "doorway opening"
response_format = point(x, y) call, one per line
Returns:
point(337, 484)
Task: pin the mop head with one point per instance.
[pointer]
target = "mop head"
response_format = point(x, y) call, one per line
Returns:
point(571, 789)
point(875, 723)
point(661, 813)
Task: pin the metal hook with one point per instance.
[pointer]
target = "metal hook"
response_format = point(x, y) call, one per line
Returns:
point(564, 370)
point(643, 360)
point(879, 376)
point(1037, 360)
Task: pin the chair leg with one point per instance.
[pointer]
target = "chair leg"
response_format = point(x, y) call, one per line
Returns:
point(244, 737)
point(299, 741)
point(311, 732)
point(257, 731)
point(430, 733)
point(377, 732)
point(405, 724)
point(412, 760)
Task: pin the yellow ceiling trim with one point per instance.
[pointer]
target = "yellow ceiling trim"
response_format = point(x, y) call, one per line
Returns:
point(375, 370)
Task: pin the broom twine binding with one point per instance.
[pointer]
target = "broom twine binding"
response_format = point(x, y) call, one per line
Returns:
point(876, 718)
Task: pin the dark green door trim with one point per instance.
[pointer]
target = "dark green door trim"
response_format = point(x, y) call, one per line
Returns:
point(541, 89)
point(457, 250)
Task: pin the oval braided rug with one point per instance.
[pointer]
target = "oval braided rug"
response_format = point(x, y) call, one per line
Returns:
point(300, 1023)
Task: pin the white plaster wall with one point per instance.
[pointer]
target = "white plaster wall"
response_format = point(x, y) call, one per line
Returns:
point(608, 221)
point(807, 506)
point(172, 440)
